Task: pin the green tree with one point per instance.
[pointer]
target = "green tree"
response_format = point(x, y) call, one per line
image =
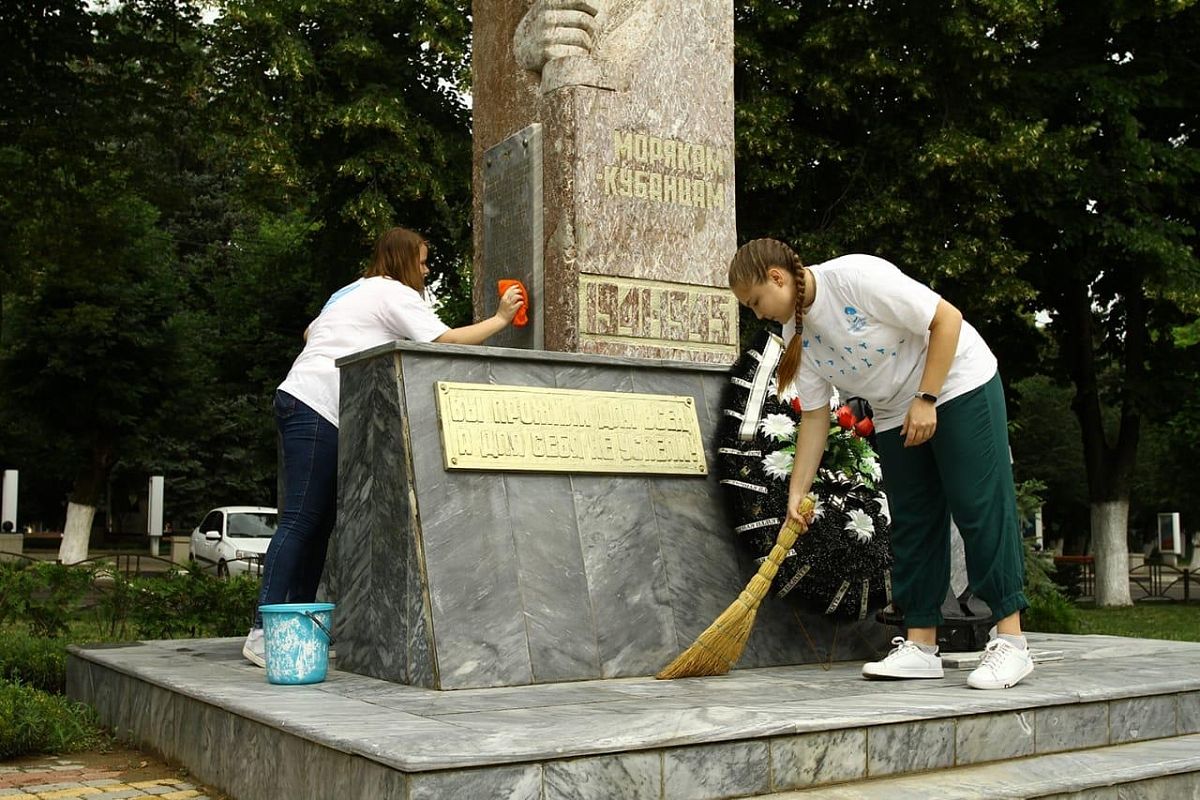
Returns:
point(350, 113)
point(1112, 231)
point(1045, 441)
point(216, 181)
point(97, 344)
point(93, 350)
point(1022, 157)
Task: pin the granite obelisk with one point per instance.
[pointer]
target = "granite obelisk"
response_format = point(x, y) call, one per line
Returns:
point(604, 172)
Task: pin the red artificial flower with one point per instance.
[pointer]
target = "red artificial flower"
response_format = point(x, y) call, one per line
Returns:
point(845, 417)
point(796, 405)
point(864, 427)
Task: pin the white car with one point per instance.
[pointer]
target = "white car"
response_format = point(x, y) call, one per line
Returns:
point(234, 538)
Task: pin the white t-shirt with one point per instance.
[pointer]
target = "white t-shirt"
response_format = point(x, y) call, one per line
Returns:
point(867, 333)
point(365, 314)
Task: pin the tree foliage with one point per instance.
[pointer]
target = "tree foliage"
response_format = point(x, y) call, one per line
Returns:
point(350, 112)
point(1026, 158)
point(182, 191)
point(185, 183)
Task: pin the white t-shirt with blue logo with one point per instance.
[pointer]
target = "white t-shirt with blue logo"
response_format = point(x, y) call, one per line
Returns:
point(867, 333)
point(365, 314)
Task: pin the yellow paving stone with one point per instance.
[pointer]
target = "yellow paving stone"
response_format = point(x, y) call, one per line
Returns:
point(113, 788)
point(157, 782)
point(74, 791)
point(179, 795)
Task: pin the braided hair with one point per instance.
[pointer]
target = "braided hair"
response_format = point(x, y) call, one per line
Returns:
point(749, 268)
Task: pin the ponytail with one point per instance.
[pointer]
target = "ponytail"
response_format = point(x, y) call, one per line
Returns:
point(749, 268)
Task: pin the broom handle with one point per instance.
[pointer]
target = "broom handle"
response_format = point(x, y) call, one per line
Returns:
point(787, 537)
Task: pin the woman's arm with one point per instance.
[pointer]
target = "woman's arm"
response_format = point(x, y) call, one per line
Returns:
point(480, 331)
point(921, 420)
point(474, 334)
point(810, 446)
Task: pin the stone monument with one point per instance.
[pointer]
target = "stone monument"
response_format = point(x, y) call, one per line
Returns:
point(547, 511)
point(604, 172)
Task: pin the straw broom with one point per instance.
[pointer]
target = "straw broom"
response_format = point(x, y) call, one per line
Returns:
point(720, 646)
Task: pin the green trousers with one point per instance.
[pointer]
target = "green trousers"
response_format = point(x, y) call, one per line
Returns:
point(964, 471)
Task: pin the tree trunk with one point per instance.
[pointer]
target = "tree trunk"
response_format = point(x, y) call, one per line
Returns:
point(76, 532)
point(1109, 466)
point(81, 509)
point(1110, 520)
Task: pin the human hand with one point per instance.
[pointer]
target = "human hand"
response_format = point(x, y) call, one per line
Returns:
point(510, 303)
point(556, 29)
point(920, 423)
point(800, 511)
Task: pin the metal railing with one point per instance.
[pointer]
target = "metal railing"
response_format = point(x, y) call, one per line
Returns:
point(1154, 579)
point(136, 564)
point(1157, 580)
point(128, 564)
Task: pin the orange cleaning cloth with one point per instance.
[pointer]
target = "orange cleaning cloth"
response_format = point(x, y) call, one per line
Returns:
point(522, 317)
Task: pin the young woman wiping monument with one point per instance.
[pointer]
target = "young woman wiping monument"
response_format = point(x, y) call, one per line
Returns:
point(386, 303)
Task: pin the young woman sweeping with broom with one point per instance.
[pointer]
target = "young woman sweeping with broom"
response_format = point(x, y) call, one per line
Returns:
point(858, 324)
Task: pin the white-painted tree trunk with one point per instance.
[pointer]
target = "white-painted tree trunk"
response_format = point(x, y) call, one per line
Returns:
point(1110, 520)
point(76, 532)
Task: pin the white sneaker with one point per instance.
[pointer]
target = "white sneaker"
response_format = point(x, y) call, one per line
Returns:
point(906, 660)
point(1003, 665)
point(255, 648)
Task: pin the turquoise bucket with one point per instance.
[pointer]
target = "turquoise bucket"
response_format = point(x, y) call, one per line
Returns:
point(297, 640)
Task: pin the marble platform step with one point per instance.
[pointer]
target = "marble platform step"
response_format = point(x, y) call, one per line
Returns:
point(751, 733)
point(1162, 769)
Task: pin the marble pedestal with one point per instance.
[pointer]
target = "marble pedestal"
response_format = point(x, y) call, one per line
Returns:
point(457, 580)
point(1114, 718)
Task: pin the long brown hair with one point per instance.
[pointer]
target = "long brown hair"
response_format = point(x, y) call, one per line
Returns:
point(749, 268)
point(398, 256)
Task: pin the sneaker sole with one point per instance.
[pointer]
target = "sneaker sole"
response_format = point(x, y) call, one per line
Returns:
point(909, 675)
point(254, 658)
point(1014, 682)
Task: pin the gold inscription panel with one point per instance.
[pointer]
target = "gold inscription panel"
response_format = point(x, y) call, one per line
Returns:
point(520, 428)
point(658, 314)
point(666, 171)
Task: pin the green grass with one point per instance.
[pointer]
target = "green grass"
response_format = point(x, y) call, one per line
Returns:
point(1178, 621)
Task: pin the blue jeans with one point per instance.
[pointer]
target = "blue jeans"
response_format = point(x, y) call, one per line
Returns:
point(296, 556)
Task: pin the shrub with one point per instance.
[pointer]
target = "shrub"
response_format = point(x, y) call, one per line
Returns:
point(1050, 610)
point(191, 603)
point(34, 661)
point(117, 598)
point(1050, 613)
point(33, 721)
point(1069, 577)
point(44, 595)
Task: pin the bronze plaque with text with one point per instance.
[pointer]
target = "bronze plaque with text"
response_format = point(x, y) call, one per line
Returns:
point(529, 429)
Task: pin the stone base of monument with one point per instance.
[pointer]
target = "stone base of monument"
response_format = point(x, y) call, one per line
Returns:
point(511, 517)
point(1114, 718)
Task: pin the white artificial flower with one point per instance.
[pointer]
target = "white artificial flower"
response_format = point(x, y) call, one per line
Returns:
point(818, 510)
point(779, 427)
point(778, 464)
point(835, 400)
point(861, 525)
point(884, 511)
point(871, 467)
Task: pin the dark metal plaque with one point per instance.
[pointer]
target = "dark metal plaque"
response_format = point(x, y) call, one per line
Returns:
point(512, 230)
